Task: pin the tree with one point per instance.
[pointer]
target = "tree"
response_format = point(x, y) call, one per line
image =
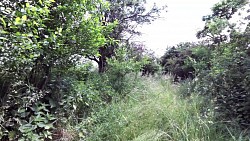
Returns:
point(128, 14)
point(39, 40)
point(218, 22)
point(176, 61)
point(227, 80)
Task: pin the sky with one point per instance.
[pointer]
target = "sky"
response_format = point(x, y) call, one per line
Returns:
point(179, 24)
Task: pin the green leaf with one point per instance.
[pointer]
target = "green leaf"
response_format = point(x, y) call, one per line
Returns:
point(17, 21)
point(33, 9)
point(74, 106)
point(4, 23)
point(27, 5)
point(48, 126)
point(24, 18)
point(41, 125)
point(12, 135)
point(47, 134)
point(26, 128)
point(81, 135)
point(35, 23)
point(40, 1)
point(39, 118)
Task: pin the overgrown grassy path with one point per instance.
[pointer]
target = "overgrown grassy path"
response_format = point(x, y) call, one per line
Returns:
point(153, 111)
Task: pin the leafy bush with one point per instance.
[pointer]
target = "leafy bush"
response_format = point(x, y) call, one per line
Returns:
point(91, 89)
point(201, 58)
point(225, 80)
point(38, 44)
point(121, 66)
point(228, 83)
point(30, 122)
point(175, 62)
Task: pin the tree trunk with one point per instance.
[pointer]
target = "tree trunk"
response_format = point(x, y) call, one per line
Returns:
point(101, 65)
point(102, 61)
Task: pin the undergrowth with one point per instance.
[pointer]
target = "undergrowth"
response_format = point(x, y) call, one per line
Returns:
point(154, 111)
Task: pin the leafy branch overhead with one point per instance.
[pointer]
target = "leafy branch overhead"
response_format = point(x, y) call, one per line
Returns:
point(218, 23)
point(127, 15)
point(39, 41)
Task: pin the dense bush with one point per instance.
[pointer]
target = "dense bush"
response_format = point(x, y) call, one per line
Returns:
point(121, 66)
point(150, 68)
point(43, 83)
point(224, 73)
point(228, 83)
point(176, 62)
point(35, 56)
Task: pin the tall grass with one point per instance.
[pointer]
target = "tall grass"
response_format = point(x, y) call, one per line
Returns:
point(154, 111)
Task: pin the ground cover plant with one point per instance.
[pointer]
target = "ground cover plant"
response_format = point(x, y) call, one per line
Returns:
point(155, 110)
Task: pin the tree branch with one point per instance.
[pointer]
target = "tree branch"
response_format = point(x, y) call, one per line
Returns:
point(93, 58)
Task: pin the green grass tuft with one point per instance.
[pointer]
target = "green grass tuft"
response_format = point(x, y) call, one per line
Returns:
point(154, 112)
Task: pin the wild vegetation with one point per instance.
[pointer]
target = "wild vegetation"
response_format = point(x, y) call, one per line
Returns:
point(50, 88)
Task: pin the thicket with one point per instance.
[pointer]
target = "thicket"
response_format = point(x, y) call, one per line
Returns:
point(40, 42)
point(226, 81)
point(176, 61)
point(50, 90)
point(46, 80)
point(220, 63)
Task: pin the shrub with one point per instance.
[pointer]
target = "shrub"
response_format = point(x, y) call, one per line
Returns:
point(121, 66)
point(227, 85)
point(175, 62)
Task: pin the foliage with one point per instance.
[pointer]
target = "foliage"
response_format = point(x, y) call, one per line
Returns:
point(38, 126)
point(92, 93)
point(140, 53)
point(49, 90)
point(92, 89)
point(218, 22)
point(151, 67)
point(226, 81)
point(201, 59)
point(42, 43)
point(120, 66)
point(39, 41)
point(153, 111)
point(127, 14)
point(176, 61)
